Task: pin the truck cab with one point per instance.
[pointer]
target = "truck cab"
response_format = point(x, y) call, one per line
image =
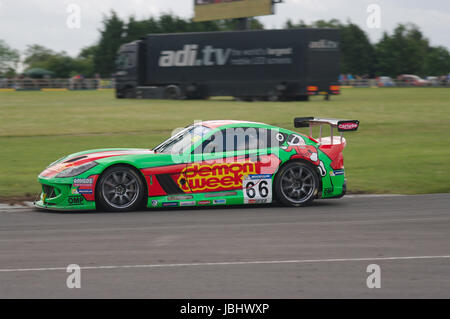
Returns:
point(126, 76)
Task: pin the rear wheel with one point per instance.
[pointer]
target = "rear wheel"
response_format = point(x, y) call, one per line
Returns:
point(296, 184)
point(120, 188)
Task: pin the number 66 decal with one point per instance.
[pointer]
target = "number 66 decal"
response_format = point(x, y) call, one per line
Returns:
point(257, 189)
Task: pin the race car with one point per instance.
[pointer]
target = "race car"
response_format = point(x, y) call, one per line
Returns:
point(209, 163)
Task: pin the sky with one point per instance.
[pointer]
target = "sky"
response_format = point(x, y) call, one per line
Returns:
point(50, 22)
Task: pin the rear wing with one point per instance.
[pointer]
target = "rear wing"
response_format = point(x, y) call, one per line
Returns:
point(341, 125)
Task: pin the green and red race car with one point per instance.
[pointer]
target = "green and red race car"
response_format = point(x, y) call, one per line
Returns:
point(208, 163)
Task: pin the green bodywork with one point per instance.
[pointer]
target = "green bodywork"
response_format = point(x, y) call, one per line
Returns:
point(332, 184)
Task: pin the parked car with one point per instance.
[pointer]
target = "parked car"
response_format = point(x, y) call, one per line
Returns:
point(433, 80)
point(385, 81)
point(413, 80)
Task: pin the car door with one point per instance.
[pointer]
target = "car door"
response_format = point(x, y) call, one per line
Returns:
point(227, 158)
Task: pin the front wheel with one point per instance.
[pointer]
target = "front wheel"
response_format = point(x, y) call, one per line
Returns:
point(121, 189)
point(296, 184)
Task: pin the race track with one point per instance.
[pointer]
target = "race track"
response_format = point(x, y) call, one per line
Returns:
point(320, 251)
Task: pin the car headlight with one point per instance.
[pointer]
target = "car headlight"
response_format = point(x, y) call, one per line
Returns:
point(76, 170)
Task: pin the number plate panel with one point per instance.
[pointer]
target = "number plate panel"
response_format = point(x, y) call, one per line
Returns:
point(257, 189)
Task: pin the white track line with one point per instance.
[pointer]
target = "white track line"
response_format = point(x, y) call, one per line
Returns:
point(234, 263)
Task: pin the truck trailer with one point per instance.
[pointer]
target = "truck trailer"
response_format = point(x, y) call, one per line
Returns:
point(248, 65)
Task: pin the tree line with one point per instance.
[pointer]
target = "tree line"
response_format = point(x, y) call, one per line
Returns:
point(404, 51)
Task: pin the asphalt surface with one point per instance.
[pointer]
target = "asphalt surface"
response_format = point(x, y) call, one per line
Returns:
point(321, 251)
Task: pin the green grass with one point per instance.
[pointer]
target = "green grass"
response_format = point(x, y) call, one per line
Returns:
point(402, 147)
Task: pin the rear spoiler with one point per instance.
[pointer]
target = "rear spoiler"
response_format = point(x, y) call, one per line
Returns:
point(341, 125)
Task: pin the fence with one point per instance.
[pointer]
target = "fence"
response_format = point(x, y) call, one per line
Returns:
point(94, 84)
point(394, 83)
point(69, 84)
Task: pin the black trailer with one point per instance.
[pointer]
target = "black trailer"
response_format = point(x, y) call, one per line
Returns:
point(265, 65)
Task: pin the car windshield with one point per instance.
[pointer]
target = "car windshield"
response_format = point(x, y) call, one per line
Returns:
point(183, 140)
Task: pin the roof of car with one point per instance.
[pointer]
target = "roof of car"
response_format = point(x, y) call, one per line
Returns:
point(219, 123)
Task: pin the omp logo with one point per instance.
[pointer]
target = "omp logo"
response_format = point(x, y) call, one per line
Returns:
point(216, 176)
point(74, 200)
point(189, 56)
point(323, 44)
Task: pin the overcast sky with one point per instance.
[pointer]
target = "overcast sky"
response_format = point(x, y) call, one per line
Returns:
point(44, 22)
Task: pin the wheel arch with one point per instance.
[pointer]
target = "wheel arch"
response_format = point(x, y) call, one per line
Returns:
point(301, 160)
point(135, 169)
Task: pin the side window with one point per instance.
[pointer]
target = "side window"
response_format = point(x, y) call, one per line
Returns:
point(241, 139)
point(229, 140)
point(130, 60)
point(213, 144)
point(125, 60)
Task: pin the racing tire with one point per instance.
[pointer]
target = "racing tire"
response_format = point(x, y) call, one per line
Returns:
point(120, 189)
point(296, 184)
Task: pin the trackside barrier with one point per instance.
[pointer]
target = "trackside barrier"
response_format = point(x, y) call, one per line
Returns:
point(8, 85)
point(374, 83)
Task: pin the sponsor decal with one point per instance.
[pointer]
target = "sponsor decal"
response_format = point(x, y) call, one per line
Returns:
point(87, 191)
point(221, 194)
point(204, 177)
point(339, 172)
point(83, 182)
point(188, 203)
point(350, 126)
point(331, 173)
point(323, 44)
point(81, 191)
point(188, 56)
point(260, 176)
point(219, 201)
point(170, 204)
point(194, 55)
point(204, 202)
point(154, 203)
point(181, 197)
point(75, 200)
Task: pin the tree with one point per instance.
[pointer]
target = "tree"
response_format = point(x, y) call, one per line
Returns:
point(357, 53)
point(291, 25)
point(9, 58)
point(402, 52)
point(36, 55)
point(437, 61)
point(60, 63)
point(112, 37)
point(84, 63)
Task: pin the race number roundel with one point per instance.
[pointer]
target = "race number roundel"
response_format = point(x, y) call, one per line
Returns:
point(257, 189)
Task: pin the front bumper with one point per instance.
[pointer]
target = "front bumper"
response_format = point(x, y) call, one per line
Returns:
point(60, 194)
